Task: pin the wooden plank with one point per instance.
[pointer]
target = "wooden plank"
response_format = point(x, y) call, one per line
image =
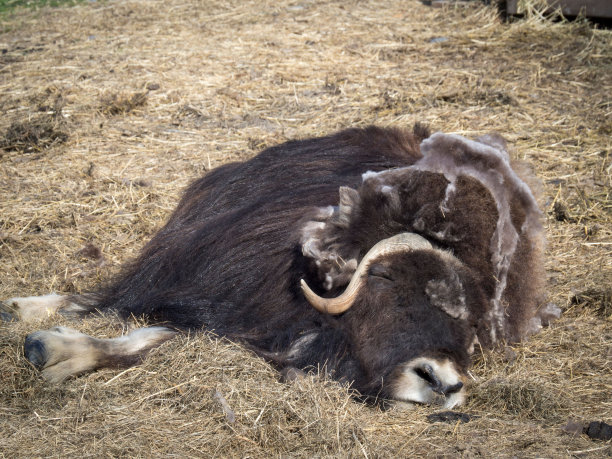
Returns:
point(511, 7)
point(588, 8)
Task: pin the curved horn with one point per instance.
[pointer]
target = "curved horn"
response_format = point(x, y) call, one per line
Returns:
point(402, 242)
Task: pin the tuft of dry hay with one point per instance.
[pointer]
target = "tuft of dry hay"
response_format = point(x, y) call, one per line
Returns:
point(42, 128)
point(262, 73)
point(33, 135)
point(520, 397)
point(596, 300)
point(116, 104)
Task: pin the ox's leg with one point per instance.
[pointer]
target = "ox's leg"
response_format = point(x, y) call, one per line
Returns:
point(32, 308)
point(61, 352)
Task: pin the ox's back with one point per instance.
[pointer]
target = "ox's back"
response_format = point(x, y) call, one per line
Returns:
point(226, 259)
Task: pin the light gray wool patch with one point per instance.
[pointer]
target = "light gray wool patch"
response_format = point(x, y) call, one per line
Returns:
point(444, 153)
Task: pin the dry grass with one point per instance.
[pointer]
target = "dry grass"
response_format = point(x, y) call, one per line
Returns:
point(152, 94)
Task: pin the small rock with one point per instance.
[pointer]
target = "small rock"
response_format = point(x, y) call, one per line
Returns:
point(141, 182)
point(291, 374)
point(136, 183)
point(90, 251)
point(573, 427)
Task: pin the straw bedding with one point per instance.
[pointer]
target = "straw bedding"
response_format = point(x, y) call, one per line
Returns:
point(111, 108)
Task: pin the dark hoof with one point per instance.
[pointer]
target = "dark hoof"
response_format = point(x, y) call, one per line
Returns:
point(6, 313)
point(450, 416)
point(6, 317)
point(34, 351)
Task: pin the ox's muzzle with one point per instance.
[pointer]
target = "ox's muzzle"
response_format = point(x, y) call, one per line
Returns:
point(429, 380)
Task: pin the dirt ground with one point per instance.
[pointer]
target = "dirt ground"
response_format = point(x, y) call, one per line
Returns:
point(110, 108)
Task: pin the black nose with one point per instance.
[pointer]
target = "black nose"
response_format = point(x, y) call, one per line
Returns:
point(429, 375)
point(452, 389)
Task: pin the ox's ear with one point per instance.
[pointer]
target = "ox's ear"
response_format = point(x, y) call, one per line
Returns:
point(447, 292)
point(323, 240)
point(447, 295)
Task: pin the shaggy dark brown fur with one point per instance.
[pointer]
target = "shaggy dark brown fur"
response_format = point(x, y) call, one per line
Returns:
point(231, 256)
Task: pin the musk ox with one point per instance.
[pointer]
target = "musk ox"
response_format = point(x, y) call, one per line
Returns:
point(378, 255)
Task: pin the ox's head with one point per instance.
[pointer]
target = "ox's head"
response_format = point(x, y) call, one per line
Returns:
point(424, 261)
point(407, 311)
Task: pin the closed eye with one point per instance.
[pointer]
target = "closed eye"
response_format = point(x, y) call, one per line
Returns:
point(380, 272)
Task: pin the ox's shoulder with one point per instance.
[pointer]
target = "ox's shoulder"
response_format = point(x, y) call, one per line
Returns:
point(386, 140)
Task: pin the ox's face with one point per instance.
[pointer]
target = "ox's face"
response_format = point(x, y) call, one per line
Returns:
point(410, 313)
point(413, 326)
point(411, 323)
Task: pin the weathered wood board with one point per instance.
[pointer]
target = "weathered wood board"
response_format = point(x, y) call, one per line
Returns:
point(588, 8)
